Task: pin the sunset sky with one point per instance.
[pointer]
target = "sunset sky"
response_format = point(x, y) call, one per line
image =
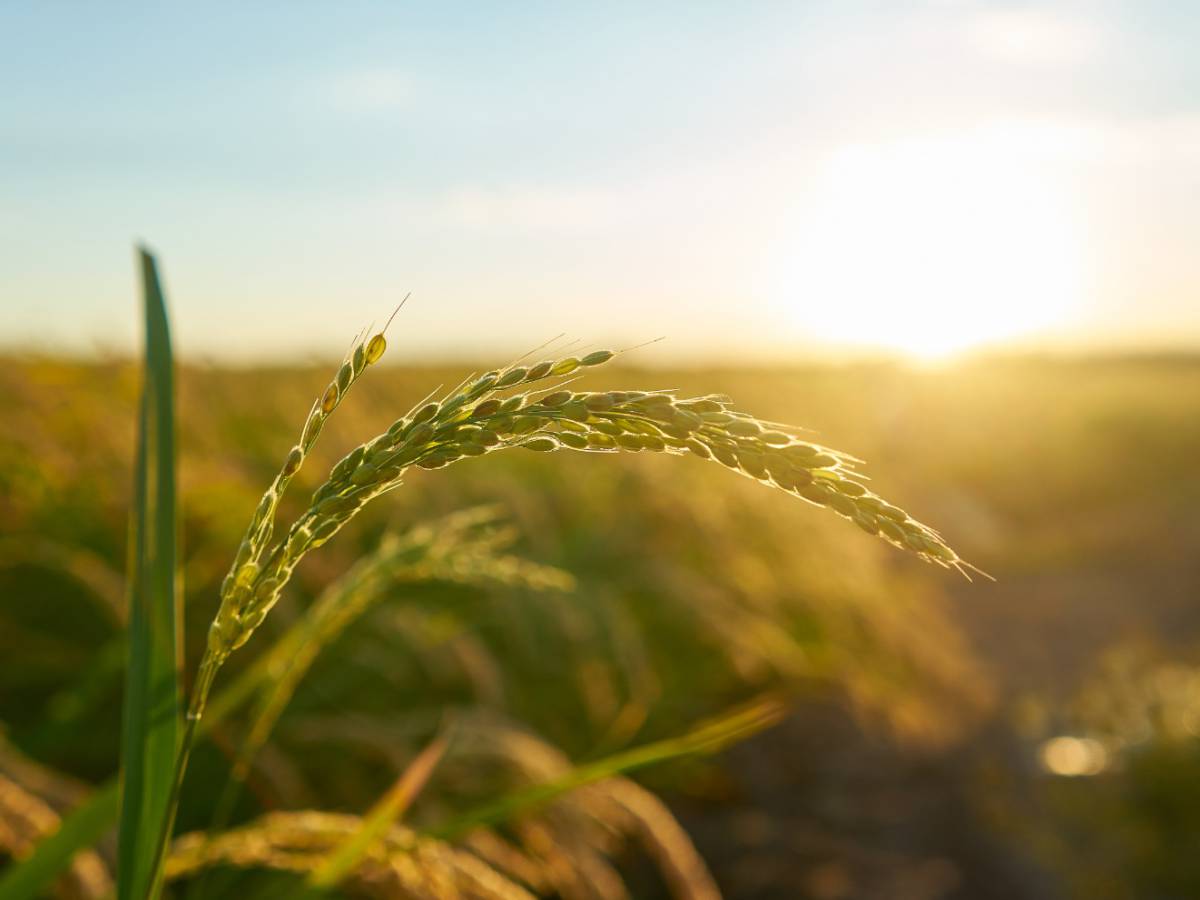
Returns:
point(750, 178)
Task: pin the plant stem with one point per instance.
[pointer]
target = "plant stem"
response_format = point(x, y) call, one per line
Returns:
point(207, 671)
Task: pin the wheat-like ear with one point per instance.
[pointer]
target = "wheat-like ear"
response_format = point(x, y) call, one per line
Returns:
point(529, 407)
point(258, 535)
point(403, 864)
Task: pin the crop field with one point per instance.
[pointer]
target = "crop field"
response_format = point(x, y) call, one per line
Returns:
point(627, 675)
point(844, 544)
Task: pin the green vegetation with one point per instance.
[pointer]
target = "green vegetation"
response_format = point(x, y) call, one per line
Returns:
point(151, 725)
point(690, 597)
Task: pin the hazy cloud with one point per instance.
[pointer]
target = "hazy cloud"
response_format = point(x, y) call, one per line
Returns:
point(1040, 37)
point(368, 90)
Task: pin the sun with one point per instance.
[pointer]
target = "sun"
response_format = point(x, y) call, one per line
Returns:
point(930, 247)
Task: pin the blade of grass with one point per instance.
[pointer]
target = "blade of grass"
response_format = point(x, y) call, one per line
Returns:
point(322, 882)
point(390, 807)
point(708, 737)
point(150, 730)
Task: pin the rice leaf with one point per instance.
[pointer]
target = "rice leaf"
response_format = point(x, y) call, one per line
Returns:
point(150, 731)
point(707, 737)
point(383, 816)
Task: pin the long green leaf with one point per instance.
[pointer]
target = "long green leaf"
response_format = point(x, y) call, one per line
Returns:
point(151, 715)
point(390, 807)
point(707, 737)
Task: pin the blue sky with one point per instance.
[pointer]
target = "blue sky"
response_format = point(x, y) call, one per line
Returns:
point(777, 179)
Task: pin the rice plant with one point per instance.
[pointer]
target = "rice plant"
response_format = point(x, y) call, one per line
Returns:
point(530, 407)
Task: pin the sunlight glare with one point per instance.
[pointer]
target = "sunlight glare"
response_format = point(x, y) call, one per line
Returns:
point(930, 247)
point(1073, 756)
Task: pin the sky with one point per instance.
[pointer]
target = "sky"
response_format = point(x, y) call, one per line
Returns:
point(749, 180)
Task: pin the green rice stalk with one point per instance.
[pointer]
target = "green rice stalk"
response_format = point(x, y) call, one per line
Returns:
point(529, 407)
point(472, 421)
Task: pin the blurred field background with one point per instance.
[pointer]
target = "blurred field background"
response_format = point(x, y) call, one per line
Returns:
point(949, 236)
point(1036, 737)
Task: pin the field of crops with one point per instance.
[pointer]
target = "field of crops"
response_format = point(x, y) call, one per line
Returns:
point(1038, 736)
